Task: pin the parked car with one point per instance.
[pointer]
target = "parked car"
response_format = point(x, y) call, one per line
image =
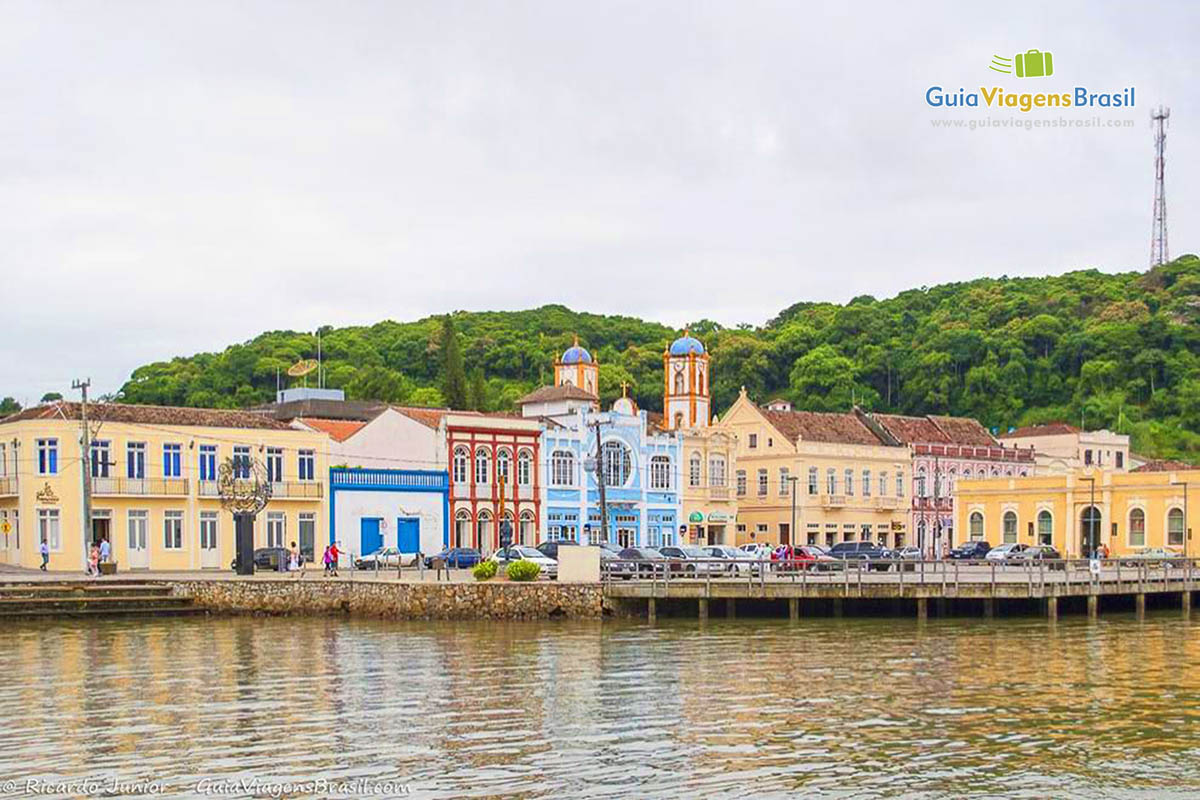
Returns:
point(611, 563)
point(1005, 552)
point(519, 552)
point(809, 557)
point(879, 557)
point(1152, 556)
point(739, 560)
point(651, 562)
point(1041, 552)
point(456, 557)
point(268, 558)
point(689, 560)
point(385, 558)
point(758, 550)
point(909, 554)
point(971, 551)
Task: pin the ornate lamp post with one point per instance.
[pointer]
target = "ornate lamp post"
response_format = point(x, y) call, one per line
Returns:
point(244, 490)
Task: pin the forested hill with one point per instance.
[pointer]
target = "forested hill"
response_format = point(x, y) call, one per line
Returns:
point(1121, 351)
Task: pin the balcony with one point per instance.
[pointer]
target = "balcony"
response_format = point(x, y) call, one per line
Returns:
point(8, 486)
point(139, 487)
point(280, 490)
point(833, 500)
point(718, 493)
point(889, 503)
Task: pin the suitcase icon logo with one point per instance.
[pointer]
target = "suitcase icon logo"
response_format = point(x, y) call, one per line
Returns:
point(1030, 64)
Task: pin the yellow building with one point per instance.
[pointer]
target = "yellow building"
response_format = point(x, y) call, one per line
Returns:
point(850, 485)
point(710, 507)
point(154, 485)
point(1127, 511)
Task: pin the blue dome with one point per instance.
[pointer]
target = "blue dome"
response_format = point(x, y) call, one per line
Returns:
point(686, 344)
point(576, 355)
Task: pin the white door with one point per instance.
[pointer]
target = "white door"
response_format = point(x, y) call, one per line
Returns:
point(139, 548)
point(210, 551)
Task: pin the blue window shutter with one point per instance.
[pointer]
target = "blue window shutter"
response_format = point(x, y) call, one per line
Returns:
point(53, 459)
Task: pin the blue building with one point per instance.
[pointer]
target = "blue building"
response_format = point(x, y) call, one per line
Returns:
point(639, 462)
point(402, 508)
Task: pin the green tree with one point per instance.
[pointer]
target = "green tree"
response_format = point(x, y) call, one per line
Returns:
point(50, 397)
point(454, 376)
point(9, 406)
point(477, 393)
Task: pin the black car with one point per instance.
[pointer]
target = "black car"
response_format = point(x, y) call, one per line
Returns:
point(549, 549)
point(268, 558)
point(1042, 552)
point(971, 551)
point(456, 558)
point(880, 557)
point(653, 562)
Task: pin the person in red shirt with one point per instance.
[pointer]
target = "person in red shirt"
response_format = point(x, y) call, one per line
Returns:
point(333, 558)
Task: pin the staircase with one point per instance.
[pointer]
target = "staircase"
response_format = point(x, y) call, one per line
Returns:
point(100, 598)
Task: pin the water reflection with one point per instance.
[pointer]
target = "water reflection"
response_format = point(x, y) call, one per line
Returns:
point(868, 708)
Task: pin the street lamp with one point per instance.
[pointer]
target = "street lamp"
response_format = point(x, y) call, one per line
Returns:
point(792, 479)
point(1187, 531)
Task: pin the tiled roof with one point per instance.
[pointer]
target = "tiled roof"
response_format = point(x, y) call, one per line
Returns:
point(911, 430)
point(338, 429)
point(656, 422)
point(547, 394)
point(820, 426)
point(429, 417)
point(965, 430)
point(152, 415)
point(1164, 465)
point(1049, 429)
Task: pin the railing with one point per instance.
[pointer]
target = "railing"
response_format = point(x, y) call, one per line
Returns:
point(718, 493)
point(8, 485)
point(833, 500)
point(169, 487)
point(280, 490)
point(1015, 577)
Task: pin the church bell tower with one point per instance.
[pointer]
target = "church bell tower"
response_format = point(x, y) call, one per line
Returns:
point(686, 384)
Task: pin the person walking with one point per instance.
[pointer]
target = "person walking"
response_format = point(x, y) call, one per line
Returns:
point(325, 560)
point(105, 551)
point(334, 554)
point(93, 567)
point(296, 561)
point(44, 549)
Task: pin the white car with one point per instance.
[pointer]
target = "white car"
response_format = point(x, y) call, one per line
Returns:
point(385, 558)
point(519, 552)
point(741, 561)
point(1005, 552)
point(758, 550)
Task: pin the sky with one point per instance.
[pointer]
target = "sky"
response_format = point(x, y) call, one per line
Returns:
point(176, 177)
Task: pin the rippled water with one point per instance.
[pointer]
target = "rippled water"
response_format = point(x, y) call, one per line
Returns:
point(820, 707)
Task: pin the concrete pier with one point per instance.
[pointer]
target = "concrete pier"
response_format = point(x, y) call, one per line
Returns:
point(1052, 607)
point(793, 608)
point(1140, 604)
point(1186, 601)
point(989, 608)
point(702, 609)
point(922, 608)
point(731, 608)
point(837, 606)
point(1093, 606)
point(652, 609)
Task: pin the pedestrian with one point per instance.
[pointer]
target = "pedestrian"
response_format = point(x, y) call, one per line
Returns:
point(296, 562)
point(44, 549)
point(333, 559)
point(93, 566)
point(325, 560)
point(105, 551)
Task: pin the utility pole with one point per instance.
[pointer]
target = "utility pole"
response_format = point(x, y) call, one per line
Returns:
point(937, 510)
point(85, 470)
point(795, 539)
point(1158, 237)
point(600, 483)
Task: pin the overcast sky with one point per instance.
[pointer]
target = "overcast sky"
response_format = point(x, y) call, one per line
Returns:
point(177, 177)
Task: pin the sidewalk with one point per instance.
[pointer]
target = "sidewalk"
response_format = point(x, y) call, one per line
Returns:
point(9, 573)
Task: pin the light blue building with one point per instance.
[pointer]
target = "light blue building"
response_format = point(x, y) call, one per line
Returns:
point(640, 463)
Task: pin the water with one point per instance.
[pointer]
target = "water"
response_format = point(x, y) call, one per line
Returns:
point(763, 708)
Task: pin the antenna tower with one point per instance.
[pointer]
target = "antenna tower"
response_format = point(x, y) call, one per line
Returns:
point(1158, 237)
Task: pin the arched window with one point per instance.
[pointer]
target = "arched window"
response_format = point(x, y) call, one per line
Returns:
point(503, 466)
point(481, 466)
point(679, 382)
point(921, 534)
point(967, 474)
point(528, 532)
point(460, 464)
point(921, 483)
point(1089, 521)
point(462, 529)
point(716, 471)
point(950, 481)
point(1010, 527)
point(483, 531)
point(694, 470)
point(562, 468)
point(660, 472)
point(679, 419)
point(1045, 524)
point(976, 526)
point(700, 382)
point(995, 472)
point(616, 464)
point(1175, 527)
point(1137, 528)
point(524, 467)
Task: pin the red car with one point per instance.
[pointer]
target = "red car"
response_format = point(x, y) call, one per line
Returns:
point(806, 557)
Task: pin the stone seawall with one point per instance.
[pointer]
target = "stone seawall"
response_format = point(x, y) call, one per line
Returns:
point(392, 600)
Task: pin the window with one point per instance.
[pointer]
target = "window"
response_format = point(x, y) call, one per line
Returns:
point(741, 482)
point(208, 530)
point(241, 462)
point(866, 483)
point(1175, 527)
point(460, 466)
point(849, 478)
point(481, 466)
point(308, 535)
point(47, 456)
point(1087, 457)
point(172, 461)
point(562, 468)
point(173, 530)
point(1045, 526)
point(276, 529)
point(462, 529)
point(483, 530)
point(785, 481)
point(306, 465)
point(812, 480)
point(3, 460)
point(694, 470)
point(526, 533)
point(1120, 460)
point(762, 483)
point(883, 484)
point(504, 466)
point(753, 441)
point(975, 526)
point(48, 530)
point(1137, 528)
point(899, 484)
point(616, 463)
point(208, 462)
point(1010, 527)
point(15, 517)
point(100, 459)
point(274, 464)
point(830, 481)
point(660, 472)
point(524, 468)
point(770, 442)
point(920, 488)
point(716, 471)
point(135, 460)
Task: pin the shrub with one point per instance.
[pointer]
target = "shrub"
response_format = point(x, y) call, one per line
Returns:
point(523, 571)
point(484, 570)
